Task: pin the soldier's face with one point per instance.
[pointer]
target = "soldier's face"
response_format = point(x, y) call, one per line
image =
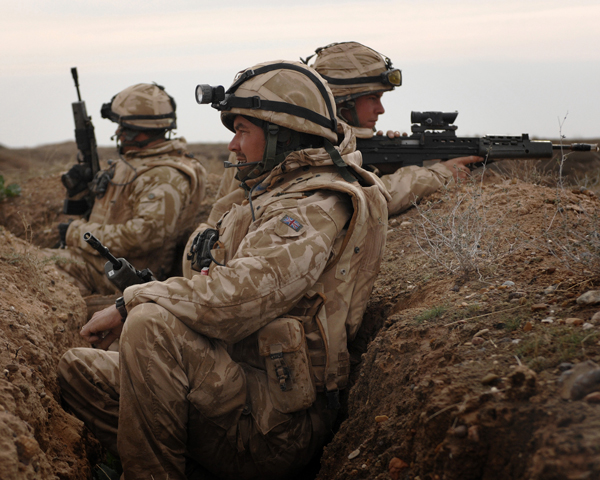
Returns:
point(249, 141)
point(368, 108)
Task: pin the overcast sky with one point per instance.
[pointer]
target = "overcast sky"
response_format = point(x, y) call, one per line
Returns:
point(507, 67)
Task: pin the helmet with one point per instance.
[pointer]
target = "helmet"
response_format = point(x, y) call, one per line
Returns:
point(353, 70)
point(288, 94)
point(274, 95)
point(143, 106)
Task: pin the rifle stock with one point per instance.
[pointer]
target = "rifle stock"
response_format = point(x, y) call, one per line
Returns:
point(434, 138)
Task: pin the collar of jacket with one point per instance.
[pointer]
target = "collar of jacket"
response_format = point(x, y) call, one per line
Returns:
point(176, 146)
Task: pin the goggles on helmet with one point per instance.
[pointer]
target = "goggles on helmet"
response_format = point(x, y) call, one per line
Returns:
point(390, 77)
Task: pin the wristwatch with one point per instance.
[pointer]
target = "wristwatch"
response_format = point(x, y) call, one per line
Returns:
point(120, 304)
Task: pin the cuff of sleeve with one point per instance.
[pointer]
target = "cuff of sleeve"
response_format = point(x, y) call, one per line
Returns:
point(442, 170)
point(130, 294)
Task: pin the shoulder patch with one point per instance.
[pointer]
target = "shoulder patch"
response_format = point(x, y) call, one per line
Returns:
point(293, 224)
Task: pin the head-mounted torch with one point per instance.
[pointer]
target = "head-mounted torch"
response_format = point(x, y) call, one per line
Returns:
point(208, 94)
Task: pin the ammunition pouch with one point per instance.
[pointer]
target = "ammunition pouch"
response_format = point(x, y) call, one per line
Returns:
point(282, 345)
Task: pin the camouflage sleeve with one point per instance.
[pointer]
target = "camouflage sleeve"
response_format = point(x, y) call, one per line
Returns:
point(274, 266)
point(156, 201)
point(408, 184)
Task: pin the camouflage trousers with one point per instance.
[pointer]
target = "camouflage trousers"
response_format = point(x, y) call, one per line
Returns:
point(173, 402)
point(82, 270)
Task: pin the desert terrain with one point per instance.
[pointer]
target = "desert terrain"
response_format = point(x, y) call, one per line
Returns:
point(478, 358)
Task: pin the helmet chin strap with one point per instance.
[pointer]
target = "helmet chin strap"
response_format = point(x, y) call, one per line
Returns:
point(349, 106)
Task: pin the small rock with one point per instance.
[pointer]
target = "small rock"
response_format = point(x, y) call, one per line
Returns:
point(460, 431)
point(490, 379)
point(574, 321)
point(587, 326)
point(585, 383)
point(538, 307)
point(354, 454)
point(569, 377)
point(596, 318)
point(381, 418)
point(589, 298)
point(550, 289)
point(477, 341)
point(519, 269)
point(593, 397)
point(473, 433)
point(563, 367)
point(27, 448)
point(548, 320)
point(395, 467)
point(527, 327)
point(508, 283)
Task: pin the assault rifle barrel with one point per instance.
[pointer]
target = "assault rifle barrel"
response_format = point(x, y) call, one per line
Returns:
point(101, 249)
point(76, 80)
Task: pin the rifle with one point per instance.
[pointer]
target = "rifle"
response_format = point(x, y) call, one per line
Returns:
point(434, 137)
point(81, 176)
point(119, 271)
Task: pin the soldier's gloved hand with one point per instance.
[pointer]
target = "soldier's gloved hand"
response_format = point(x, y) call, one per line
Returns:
point(77, 178)
point(62, 233)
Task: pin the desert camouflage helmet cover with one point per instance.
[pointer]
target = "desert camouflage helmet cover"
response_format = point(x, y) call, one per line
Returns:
point(288, 94)
point(144, 106)
point(352, 60)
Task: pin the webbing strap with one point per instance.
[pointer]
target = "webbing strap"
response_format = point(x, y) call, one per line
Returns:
point(339, 162)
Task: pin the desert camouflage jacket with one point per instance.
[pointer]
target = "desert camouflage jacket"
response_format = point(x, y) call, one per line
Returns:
point(307, 245)
point(146, 209)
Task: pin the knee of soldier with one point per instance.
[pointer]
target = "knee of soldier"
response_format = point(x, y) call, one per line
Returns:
point(70, 363)
point(143, 321)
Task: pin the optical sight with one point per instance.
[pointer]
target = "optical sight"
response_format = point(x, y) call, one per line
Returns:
point(208, 94)
point(433, 119)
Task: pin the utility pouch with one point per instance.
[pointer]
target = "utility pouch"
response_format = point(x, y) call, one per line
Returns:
point(283, 346)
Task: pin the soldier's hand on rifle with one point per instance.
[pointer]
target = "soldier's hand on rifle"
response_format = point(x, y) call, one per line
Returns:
point(459, 166)
point(391, 133)
point(103, 328)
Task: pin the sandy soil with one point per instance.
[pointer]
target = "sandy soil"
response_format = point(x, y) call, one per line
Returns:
point(475, 360)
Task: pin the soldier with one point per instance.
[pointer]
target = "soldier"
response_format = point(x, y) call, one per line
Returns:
point(358, 77)
point(237, 369)
point(145, 201)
